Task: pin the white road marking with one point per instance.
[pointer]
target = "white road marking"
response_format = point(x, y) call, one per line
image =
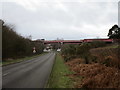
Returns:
point(6, 74)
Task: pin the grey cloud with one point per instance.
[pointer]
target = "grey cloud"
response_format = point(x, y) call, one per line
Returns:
point(92, 13)
point(54, 20)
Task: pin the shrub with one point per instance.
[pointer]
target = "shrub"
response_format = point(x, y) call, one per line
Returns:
point(107, 56)
point(81, 51)
point(68, 51)
point(96, 44)
point(16, 46)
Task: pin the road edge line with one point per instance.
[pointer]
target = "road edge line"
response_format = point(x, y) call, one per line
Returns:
point(46, 84)
point(21, 61)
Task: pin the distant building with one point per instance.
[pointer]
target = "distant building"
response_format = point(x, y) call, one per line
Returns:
point(58, 50)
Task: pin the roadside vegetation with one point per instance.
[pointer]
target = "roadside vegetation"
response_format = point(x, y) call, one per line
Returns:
point(97, 64)
point(58, 77)
point(12, 61)
point(15, 46)
point(80, 51)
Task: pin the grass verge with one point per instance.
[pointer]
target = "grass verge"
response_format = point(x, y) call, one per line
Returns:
point(58, 77)
point(113, 46)
point(19, 60)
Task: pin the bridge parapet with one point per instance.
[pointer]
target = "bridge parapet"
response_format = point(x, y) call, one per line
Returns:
point(77, 41)
point(64, 42)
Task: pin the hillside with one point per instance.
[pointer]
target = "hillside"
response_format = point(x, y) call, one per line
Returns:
point(102, 72)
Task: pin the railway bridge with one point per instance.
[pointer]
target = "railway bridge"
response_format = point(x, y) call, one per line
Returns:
point(77, 41)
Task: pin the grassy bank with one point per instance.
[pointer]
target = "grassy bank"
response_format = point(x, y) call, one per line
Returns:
point(58, 78)
point(102, 69)
point(112, 46)
point(20, 60)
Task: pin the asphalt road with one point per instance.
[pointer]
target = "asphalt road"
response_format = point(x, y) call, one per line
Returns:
point(32, 73)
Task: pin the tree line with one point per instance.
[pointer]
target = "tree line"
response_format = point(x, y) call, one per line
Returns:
point(82, 51)
point(16, 46)
point(70, 51)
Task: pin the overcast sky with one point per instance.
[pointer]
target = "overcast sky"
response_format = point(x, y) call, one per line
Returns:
point(50, 19)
